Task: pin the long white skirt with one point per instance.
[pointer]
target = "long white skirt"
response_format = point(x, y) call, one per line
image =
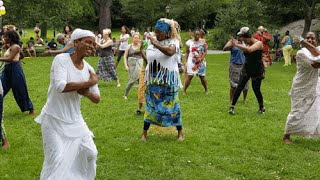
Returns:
point(69, 150)
point(304, 118)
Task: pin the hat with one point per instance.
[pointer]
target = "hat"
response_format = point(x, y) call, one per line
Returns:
point(80, 33)
point(244, 32)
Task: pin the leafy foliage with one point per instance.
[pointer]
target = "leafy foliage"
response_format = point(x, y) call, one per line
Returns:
point(27, 13)
point(238, 14)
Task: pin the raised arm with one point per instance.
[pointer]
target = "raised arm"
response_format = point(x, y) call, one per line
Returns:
point(65, 49)
point(314, 51)
point(258, 45)
point(284, 39)
point(228, 45)
point(167, 50)
point(105, 45)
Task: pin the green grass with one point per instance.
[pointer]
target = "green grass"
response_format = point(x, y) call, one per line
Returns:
point(216, 146)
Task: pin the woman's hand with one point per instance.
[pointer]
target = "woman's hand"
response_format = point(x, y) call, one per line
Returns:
point(315, 65)
point(93, 78)
point(152, 40)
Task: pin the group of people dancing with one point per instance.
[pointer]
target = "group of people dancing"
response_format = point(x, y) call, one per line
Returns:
point(68, 143)
point(246, 62)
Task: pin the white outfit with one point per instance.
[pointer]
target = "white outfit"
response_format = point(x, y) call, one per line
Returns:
point(124, 44)
point(168, 72)
point(304, 118)
point(69, 150)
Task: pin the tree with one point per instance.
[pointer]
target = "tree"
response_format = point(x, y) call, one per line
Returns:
point(236, 15)
point(48, 12)
point(308, 11)
point(103, 11)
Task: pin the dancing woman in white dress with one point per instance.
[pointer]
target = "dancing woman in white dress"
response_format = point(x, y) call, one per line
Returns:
point(304, 118)
point(69, 150)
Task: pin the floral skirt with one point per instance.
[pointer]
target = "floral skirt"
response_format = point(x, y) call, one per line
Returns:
point(106, 69)
point(162, 105)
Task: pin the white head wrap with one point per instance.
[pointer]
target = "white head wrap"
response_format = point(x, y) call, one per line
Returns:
point(80, 33)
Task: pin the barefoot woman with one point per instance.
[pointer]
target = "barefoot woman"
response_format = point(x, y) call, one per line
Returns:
point(304, 118)
point(162, 79)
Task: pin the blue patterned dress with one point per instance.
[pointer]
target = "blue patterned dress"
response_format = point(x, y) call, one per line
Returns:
point(163, 82)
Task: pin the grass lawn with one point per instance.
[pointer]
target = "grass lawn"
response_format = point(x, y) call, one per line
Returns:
point(217, 145)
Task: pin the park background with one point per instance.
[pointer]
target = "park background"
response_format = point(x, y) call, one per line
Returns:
point(216, 146)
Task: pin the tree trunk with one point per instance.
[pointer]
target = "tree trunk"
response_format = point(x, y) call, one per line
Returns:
point(44, 27)
point(105, 14)
point(308, 16)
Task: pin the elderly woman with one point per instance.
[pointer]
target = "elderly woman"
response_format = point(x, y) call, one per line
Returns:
point(133, 62)
point(162, 79)
point(106, 68)
point(66, 45)
point(253, 68)
point(196, 51)
point(69, 150)
point(304, 118)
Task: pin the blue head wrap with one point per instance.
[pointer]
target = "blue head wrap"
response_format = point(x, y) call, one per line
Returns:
point(162, 26)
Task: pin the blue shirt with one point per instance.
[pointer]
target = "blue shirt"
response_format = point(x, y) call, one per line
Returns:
point(69, 51)
point(288, 42)
point(237, 56)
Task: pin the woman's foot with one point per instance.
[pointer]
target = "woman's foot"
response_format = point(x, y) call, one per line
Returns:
point(5, 144)
point(184, 93)
point(118, 85)
point(207, 92)
point(180, 136)
point(231, 110)
point(32, 112)
point(262, 111)
point(144, 136)
point(286, 139)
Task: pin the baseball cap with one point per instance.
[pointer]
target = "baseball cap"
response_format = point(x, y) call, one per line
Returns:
point(244, 32)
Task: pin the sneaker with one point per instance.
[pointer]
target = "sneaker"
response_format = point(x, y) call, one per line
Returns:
point(231, 110)
point(125, 97)
point(138, 112)
point(118, 85)
point(262, 110)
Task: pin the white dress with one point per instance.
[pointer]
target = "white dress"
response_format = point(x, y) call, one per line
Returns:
point(304, 118)
point(69, 150)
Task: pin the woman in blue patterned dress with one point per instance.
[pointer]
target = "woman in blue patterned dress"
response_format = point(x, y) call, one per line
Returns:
point(162, 79)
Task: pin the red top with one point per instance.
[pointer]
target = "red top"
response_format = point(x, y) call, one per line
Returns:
point(263, 40)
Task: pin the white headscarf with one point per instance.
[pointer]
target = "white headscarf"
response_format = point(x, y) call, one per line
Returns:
point(80, 33)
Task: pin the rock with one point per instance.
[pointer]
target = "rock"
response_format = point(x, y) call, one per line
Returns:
point(296, 28)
